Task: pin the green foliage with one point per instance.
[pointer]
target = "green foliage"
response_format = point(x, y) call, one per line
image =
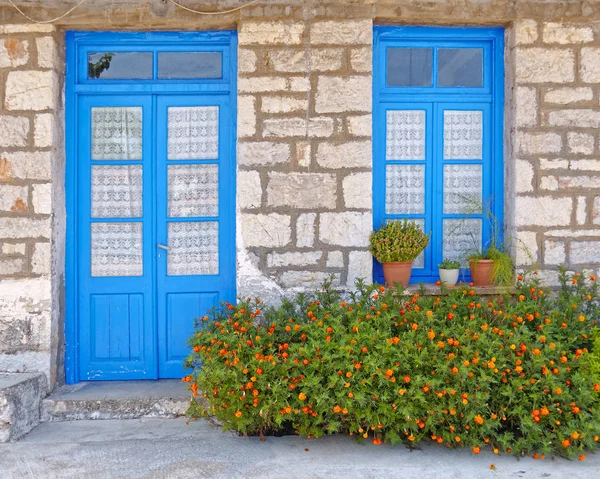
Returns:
point(398, 241)
point(96, 69)
point(508, 373)
point(449, 264)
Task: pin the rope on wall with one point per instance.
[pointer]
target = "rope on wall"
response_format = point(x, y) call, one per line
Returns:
point(81, 2)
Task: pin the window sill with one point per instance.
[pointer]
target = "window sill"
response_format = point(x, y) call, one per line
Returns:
point(431, 289)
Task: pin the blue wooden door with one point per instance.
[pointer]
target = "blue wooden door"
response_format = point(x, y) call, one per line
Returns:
point(151, 188)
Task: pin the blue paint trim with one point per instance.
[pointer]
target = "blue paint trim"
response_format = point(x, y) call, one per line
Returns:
point(81, 95)
point(488, 98)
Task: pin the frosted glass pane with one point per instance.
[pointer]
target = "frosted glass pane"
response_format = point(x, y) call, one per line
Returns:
point(461, 238)
point(193, 133)
point(193, 190)
point(462, 189)
point(409, 67)
point(405, 135)
point(193, 248)
point(116, 191)
point(460, 67)
point(116, 249)
point(463, 135)
point(117, 133)
point(405, 189)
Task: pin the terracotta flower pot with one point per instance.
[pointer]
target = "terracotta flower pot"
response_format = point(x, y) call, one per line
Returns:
point(397, 273)
point(482, 271)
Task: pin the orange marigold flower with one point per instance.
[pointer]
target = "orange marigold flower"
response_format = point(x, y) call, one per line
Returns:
point(238, 414)
point(581, 457)
point(575, 435)
point(336, 409)
point(476, 450)
point(302, 396)
point(479, 420)
point(566, 443)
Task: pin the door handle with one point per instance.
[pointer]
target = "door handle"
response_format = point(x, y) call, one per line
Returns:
point(162, 246)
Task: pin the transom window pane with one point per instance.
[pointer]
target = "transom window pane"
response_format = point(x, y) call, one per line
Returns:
point(182, 65)
point(463, 135)
point(117, 191)
point(121, 65)
point(193, 190)
point(462, 189)
point(116, 249)
point(193, 133)
point(460, 67)
point(405, 135)
point(461, 237)
point(193, 248)
point(409, 67)
point(117, 133)
point(405, 189)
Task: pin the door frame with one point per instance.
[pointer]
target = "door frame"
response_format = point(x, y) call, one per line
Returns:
point(76, 84)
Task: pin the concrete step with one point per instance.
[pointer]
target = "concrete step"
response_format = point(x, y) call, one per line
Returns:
point(166, 398)
point(20, 397)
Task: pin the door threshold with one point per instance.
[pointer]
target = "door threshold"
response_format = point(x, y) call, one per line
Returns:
point(166, 398)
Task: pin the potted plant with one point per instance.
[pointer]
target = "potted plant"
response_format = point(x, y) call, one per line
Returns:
point(491, 266)
point(449, 270)
point(396, 245)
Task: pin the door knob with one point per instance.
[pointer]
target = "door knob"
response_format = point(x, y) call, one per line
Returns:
point(162, 246)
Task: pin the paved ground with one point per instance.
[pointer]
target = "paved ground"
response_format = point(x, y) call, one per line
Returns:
point(167, 448)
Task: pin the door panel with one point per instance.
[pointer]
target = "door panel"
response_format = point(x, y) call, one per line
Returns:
point(195, 215)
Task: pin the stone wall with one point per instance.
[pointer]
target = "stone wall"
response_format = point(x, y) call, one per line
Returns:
point(556, 68)
point(304, 154)
point(30, 247)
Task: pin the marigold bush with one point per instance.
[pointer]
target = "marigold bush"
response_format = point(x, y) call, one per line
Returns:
point(511, 373)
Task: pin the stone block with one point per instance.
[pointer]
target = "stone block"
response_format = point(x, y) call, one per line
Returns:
point(579, 181)
point(262, 84)
point(20, 403)
point(342, 32)
point(27, 28)
point(41, 258)
point(288, 60)
point(14, 130)
point(12, 249)
point(343, 94)
point(14, 198)
point(303, 149)
point(361, 59)
point(10, 267)
point(581, 210)
point(582, 118)
point(589, 65)
point(554, 252)
point(270, 33)
point(326, 59)
point(587, 165)
point(596, 211)
point(305, 230)
point(13, 52)
point(549, 183)
point(283, 104)
point(302, 190)
point(11, 227)
point(538, 143)
point(298, 84)
point(249, 190)
point(335, 259)
point(352, 154)
point(246, 61)
point(42, 198)
point(526, 106)
point(584, 252)
point(526, 31)
point(545, 65)
point(25, 165)
point(360, 266)
point(526, 248)
point(358, 191)
point(261, 230)
point(246, 120)
point(47, 53)
point(262, 153)
point(296, 258)
point(43, 130)
point(306, 279)
point(558, 164)
point(582, 143)
point(345, 229)
point(293, 127)
point(31, 90)
point(568, 95)
point(523, 176)
point(360, 125)
point(565, 34)
point(543, 211)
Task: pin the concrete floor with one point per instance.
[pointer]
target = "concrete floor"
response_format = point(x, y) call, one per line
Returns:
point(167, 448)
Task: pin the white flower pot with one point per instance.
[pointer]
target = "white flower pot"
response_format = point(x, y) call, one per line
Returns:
point(449, 276)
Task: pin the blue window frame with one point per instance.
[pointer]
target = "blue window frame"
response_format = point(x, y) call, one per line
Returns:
point(150, 192)
point(438, 136)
